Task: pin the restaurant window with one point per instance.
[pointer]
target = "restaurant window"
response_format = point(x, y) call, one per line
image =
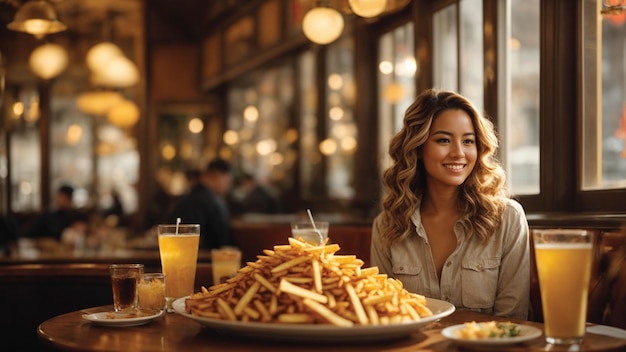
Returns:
point(180, 136)
point(341, 137)
point(310, 161)
point(518, 115)
point(445, 49)
point(604, 107)
point(259, 137)
point(25, 149)
point(71, 149)
point(457, 51)
point(396, 69)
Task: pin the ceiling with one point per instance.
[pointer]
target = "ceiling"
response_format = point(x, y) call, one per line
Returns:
point(123, 22)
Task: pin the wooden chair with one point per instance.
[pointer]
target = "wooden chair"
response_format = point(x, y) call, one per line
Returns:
point(607, 297)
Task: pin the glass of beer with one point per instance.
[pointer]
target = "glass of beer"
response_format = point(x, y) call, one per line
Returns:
point(178, 248)
point(563, 258)
point(225, 263)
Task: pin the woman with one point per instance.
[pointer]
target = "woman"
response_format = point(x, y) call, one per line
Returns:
point(448, 229)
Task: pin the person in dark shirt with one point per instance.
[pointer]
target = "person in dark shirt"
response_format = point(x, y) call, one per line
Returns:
point(255, 198)
point(52, 223)
point(192, 176)
point(205, 204)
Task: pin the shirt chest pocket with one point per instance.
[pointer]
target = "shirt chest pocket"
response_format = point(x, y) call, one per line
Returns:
point(479, 282)
point(408, 275)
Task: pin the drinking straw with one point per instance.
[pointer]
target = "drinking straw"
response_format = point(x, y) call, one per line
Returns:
point(315, 228)
point(177, 223)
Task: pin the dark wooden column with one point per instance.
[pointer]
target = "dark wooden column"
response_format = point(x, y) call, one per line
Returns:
point(44, 140)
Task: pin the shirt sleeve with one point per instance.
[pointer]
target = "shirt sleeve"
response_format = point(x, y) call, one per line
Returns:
point(380, 254)
point(512, 298)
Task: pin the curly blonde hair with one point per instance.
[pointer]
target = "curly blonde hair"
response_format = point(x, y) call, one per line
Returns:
point(481, 196)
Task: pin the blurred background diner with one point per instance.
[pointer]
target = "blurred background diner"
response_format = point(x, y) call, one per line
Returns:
point(121, 98)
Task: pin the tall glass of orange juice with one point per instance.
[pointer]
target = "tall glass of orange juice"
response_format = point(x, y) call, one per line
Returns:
point(563, 258)
point(178, 248)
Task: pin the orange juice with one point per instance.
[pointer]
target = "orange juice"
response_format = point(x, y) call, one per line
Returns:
point(225, 263)
point(564, 270)
point(179, 255)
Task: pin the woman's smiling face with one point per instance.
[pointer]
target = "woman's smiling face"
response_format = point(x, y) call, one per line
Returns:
point(450, 152)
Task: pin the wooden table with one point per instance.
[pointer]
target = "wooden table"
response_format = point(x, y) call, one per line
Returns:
point(150, 258)
point(175, 332)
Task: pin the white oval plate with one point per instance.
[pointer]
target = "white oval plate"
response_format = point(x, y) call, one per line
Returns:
point(120, 319)
point(319, 332)
point(526, 333)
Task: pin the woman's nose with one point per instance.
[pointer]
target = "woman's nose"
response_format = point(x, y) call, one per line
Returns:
point(457, 149)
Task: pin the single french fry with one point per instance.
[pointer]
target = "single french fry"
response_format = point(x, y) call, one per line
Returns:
point(298, 280)
point(228, 312)
point(378, 299)
point(327, 313)
point(356, 304)
point(247, 297)
point(273, 305)
point(414, 315)
point(289, 264)
point(372, 314)
point(263, 281)
point(423, 311)
point(317, 276)
point(260, 307)
point(286, 286)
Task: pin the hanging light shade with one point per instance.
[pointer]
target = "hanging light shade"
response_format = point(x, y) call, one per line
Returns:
point(124, 114)
point(48, 61)
point(101, 53)
point(98, 103)
point(368, 8)
point(322, 25)
point(119, 72)
point(36, 17)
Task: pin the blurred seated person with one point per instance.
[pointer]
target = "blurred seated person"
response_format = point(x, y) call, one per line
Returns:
point(192, 176)
point(255, 198)
point(75, 235)
point(114, 213)
point(205, 204)
point(51, 224)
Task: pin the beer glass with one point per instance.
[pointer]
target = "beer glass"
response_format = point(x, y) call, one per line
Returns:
point(178, 248)
point(563, 258)
point(225, 263)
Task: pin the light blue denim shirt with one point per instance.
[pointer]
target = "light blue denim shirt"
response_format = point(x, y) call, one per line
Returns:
point(491, 277)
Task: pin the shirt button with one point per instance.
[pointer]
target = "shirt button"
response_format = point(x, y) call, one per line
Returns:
point(480, 267)
point(448, 263)
point(445, 298)
point(401, 268)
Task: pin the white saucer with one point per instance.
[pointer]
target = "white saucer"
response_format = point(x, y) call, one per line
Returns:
point(526, 333)
point(120, 319)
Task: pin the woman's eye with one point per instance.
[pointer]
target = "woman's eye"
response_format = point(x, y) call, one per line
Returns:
point(443, 140)
point(469, 141)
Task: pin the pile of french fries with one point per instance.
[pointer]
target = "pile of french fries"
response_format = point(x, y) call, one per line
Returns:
point(301, 283)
